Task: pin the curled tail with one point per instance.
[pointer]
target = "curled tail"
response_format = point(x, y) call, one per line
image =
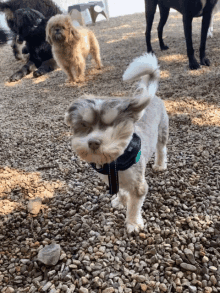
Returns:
point(145, 68)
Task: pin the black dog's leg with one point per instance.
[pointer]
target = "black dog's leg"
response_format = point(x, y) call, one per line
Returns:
point(46, 67)
point(187, 23)
point(164, 13)
point(150, 8)
point(205, 26)
point(25, 70)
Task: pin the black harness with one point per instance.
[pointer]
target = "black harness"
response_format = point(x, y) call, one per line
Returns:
point(130, 157)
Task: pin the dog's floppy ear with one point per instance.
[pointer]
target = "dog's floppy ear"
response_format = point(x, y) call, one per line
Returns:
point(134, 107)
point(70, 115)
point(48, 38)
point(74, 33)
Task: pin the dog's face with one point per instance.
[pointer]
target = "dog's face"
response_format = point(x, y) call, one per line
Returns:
point(25, 21)
point(60, 29)
point(103, 128)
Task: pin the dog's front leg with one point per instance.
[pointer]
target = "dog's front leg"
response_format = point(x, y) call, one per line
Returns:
point(205, 26)
point(134, 204)
point(46, 66)
point(120, 201)
point(187, 23)
point(25, 70)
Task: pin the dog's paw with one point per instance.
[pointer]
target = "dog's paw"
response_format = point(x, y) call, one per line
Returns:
point(164, 48)
point(38, 73)
point(135, 227)
point(116, 203)
point(16, 76)
point(99, 66)
point(158, 168)
point(80, 79)
point(205, 61)
point(193, 64)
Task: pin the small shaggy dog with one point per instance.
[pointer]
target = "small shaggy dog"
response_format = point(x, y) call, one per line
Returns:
point(47, 7)
point(118, 136)
point(30, 26)
point(71, 46)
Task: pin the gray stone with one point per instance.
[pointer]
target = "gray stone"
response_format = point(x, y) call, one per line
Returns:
point(109, 290)
point(46, 286)
point(188, 267)
point(192, 289)
point(9, 290)
point(83, 290)
point(50, 254)
point(189, 255)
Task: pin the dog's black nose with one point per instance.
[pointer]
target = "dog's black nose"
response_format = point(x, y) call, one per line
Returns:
point(94, 144)
point(57, 30)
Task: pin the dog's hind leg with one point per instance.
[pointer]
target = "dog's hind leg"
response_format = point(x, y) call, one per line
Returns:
point(150, 9)
point(80, 70)
point(187, 23)
point(160, 163)
point(95, 51)
point(164, 13)
point(205, 26)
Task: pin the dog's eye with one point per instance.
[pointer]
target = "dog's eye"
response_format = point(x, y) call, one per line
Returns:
point(84, 124)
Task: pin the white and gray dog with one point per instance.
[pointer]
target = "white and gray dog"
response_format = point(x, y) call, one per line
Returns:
point(118, 136)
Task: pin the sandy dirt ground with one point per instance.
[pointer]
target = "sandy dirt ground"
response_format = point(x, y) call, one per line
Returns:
point(36, 161)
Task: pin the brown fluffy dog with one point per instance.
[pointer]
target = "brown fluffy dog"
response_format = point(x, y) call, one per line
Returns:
point(71, 46)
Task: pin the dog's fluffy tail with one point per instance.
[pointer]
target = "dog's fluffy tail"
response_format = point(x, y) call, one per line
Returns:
point(145, 68)
point(3, 37)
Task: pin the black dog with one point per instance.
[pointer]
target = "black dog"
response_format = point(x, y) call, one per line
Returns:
point(47, 7)
point(30, 26)
point(189, 9)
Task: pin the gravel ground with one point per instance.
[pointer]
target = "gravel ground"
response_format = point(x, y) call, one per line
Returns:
point(48, 196)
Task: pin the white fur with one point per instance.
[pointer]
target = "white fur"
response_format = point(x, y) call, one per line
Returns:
point(146, 64)
point(146, 68)
point(110, 116)
point(215, 10)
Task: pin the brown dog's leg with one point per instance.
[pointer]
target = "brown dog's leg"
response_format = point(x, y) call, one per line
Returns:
point(69, 73)
point(80, 70)
point(95, 51)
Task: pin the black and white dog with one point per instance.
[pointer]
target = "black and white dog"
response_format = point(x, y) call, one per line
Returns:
point(30, 26)
point(47, 7)
point(189, 9)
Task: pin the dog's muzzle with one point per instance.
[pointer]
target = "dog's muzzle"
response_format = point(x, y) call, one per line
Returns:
point(94, 144)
